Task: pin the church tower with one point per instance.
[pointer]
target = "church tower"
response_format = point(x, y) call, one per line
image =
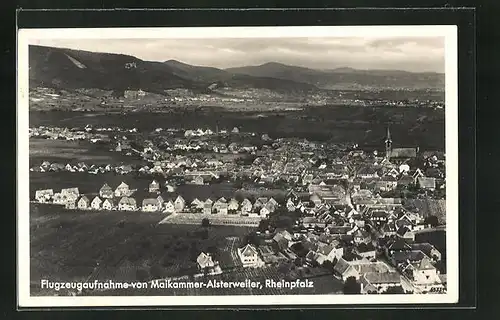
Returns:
point(388, 144)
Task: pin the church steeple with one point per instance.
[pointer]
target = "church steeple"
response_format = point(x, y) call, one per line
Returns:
point(388, 144)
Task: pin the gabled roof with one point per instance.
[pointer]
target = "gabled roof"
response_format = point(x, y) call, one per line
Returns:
point(399, 244)
point(382, 278)
point(149, 201)
point(248, 250)
point(411, 256)
point(84, 198)
point(122, 185)
point(106, 187)
point(342, 266)
point(128, 201)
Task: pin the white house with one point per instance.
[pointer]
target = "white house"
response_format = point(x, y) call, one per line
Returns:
point(246, 207)
point(249, 257)
point(169, 207)
point(179, 204)
point(233, 205)
point(106, 192)
point(150, 205)
point(108, 204)
point(127, 204)
point(83, 203)
point(44, 195)
point(122, 190)
point(207, 265)
point(96, 203)
point(154, 186)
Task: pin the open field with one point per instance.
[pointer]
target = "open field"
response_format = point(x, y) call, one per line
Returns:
point(79, 246)
point(62, 151)
point(339, 124)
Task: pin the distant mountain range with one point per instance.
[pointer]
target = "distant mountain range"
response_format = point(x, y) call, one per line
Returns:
point(346, 77)
point(73, 69)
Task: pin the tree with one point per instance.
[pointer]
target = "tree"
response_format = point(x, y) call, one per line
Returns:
point(351, 286)
point(253, 239)
point(328, 265)
point(263, 225)
point(205, 222)
point(432, 220)
point(141, 275)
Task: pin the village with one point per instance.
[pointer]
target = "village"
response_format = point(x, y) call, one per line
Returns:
point(362, 216)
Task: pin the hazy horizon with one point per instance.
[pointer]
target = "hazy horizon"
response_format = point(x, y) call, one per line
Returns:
point(424, 54)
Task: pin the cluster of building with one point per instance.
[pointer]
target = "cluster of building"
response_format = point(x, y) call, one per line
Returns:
point(123, 198)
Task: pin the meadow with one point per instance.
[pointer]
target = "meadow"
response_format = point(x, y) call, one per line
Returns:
point(423, 127)
point(121, 246)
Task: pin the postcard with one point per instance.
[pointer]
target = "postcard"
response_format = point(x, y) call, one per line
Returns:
point(237, 166)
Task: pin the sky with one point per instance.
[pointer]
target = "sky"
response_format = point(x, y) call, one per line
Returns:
point(415, 54)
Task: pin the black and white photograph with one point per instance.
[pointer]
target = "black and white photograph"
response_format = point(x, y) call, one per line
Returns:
point(237, 166)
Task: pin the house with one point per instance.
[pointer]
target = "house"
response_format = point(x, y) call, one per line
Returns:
point(108, 204)
point(70, 203)
point(221, 208)
point(280, 242)
point(233, 205)
point(367, 251)
point(106, 192)
point(259, 203)
point(426, 183)
point(397, 245)
point(311, 222)
point(70, 192)
point(150, 205)
point(380, 281)
point(266, 210)
point(179, 204)
point(122, 190)
point(422, 273)
point(273, 202)
point(169, 207)
point(344, 270)
point(315, 199)
point(249, 257)
point(361, 236)
point(367, 172)
point(379, 216)
point(246, 207)
point(428, 249)
point(160, 201)
point(44, 195)
point(198, 180)
point(328, 253)
point(154, 186)
point(290, 206)
point(207, 265)
point(197, 204)
point(83, 203)
point(127, 204)
point(96, 203)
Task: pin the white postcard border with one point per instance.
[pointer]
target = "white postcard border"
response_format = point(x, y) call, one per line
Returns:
point(449, 32)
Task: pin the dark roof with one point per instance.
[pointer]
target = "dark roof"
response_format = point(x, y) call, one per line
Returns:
point(411, 256)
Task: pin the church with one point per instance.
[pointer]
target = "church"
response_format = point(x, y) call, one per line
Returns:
point(398, 154)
